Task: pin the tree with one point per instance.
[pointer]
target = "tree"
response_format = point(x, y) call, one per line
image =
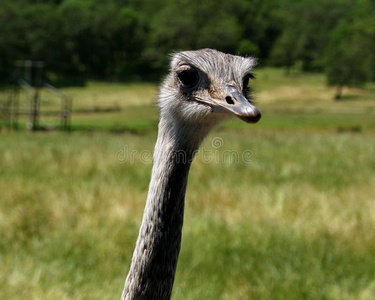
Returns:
point(100, 39)
point(350, 55)
point(27, 32)
point(305, 32)
point(131, 39)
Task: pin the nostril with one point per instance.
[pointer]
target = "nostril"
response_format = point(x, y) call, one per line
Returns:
point(229, 100)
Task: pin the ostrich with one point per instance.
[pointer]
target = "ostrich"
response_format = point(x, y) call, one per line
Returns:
point(203, 88)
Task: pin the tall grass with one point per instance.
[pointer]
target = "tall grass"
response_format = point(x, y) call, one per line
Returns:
point(295, 222)
point(280, 210)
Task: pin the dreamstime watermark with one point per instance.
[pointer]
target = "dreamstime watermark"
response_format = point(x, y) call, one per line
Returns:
point(213, 154)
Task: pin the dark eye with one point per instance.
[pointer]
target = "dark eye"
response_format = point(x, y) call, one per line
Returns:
point(189, 77)
point(245, 84)
point(245, 80)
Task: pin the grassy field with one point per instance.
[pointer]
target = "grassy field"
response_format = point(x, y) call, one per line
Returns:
point(288, 214)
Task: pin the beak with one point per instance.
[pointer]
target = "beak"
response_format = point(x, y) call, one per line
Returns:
point(237, 104)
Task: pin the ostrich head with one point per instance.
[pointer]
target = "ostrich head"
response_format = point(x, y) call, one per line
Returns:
point(206, 86)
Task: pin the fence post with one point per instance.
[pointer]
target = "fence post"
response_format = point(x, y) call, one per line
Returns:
point(35, 107)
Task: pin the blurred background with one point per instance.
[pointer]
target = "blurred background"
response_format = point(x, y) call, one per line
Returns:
point(294, 220)
point(129, 40)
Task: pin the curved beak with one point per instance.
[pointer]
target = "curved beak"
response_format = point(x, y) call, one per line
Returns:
point(237, 104)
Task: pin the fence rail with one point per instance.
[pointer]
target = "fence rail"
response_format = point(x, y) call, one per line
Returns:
point(11, 108)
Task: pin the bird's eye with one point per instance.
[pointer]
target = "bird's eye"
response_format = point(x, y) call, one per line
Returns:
point(245, 80)
point(245, 83)
point(189, 77)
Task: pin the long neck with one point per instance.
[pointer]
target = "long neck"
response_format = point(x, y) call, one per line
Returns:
point(154, 261)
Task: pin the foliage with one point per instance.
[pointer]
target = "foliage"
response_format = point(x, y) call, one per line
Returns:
point(351, 51)
point(130, 40)
point(307, 25)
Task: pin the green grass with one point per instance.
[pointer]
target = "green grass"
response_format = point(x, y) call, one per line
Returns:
point(298, 101)
point(288, 214)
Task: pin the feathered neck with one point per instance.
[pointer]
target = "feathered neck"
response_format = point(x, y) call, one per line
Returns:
point(154, 261)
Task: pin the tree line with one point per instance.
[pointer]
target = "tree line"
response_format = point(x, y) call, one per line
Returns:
point(130, 39)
